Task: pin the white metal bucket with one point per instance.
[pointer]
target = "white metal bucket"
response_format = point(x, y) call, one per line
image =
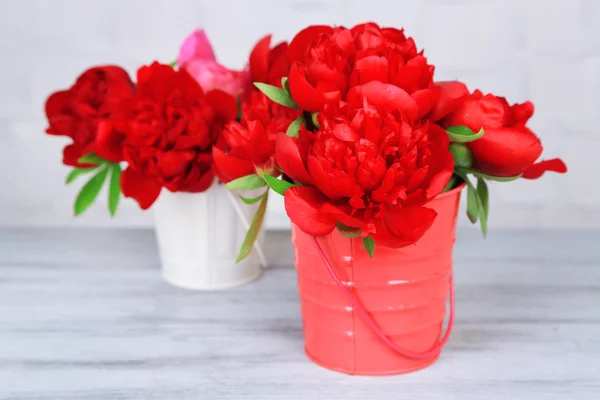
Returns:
point(199, 236)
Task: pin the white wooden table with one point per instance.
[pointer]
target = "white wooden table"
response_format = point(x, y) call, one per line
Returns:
point(85, 315)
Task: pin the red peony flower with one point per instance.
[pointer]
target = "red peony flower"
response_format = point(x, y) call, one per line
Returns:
point(327, 62)
point(76, 112)
point(508, 147)
point(248, 146)
point(172, 126)
point(371, 165)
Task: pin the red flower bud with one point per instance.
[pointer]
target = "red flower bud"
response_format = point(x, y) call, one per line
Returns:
point(508, 147)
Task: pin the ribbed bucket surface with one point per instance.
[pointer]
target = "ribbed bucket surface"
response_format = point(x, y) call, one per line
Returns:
point(404, 290)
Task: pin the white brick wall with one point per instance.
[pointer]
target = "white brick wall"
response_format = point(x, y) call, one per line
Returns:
point(524, 49)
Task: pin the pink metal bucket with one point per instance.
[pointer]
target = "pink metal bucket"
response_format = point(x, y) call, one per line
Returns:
point(381, 315)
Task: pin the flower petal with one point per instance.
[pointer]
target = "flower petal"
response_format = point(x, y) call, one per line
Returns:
point(342, 214)
point(405, 225)
point(279, 65)
point(385, 97)
point(198, 181)
point(109, 139)
point(304, 94)
point(326, 78)
point(259, 60)
point(156, 72)
point(441, 165)
point(522, 113)
point(224, 105)
point(174, 163)
point(425, 99)
point(505, 151)
point(287, 157)
point(72, 153)
point(334, 183)
point(478, 111)
point(449, 94)
point(228, 168)
point(415, 75)
point(371, 172)
point(57, 103)
point(537, 170)
point(59, 114)
point(346, 133)
point(302, 204)
point(212, 75)
point(303, 39)
point(142, 189)
point(371, 68)
point(196, 47)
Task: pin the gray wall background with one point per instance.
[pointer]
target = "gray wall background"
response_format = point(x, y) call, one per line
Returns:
point(547, 51)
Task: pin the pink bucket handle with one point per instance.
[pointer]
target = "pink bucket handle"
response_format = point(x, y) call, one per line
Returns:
point(434, 351)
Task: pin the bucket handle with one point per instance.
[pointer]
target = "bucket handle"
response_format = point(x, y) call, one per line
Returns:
point(434, 351)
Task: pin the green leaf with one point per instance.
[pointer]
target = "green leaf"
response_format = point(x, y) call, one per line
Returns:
point(292, 130)
point(348, 231)
point(114, 190)
point(450, 185)
point(276, 94)
point(92, 158)
point(462, 134)
point(463, 156)
point(247, 182)
point(90, 191)
point(252, 200)
point(477, 202)
point(488, 177)
point(315, 122)
point(484, 202)
point(285, 84)
point(472, 205)
point(472, 197)
point(254, 230)
point(75, 172)
point(472, 202)
point(369, 244)
point(173, 64)
point(278, 185)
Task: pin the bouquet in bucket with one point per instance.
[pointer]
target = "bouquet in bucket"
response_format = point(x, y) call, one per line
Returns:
point(378, 138)
point(172, 133)
point(371, 154)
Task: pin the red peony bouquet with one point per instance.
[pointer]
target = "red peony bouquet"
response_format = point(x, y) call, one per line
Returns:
point(376, 137)
point(162, 128)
